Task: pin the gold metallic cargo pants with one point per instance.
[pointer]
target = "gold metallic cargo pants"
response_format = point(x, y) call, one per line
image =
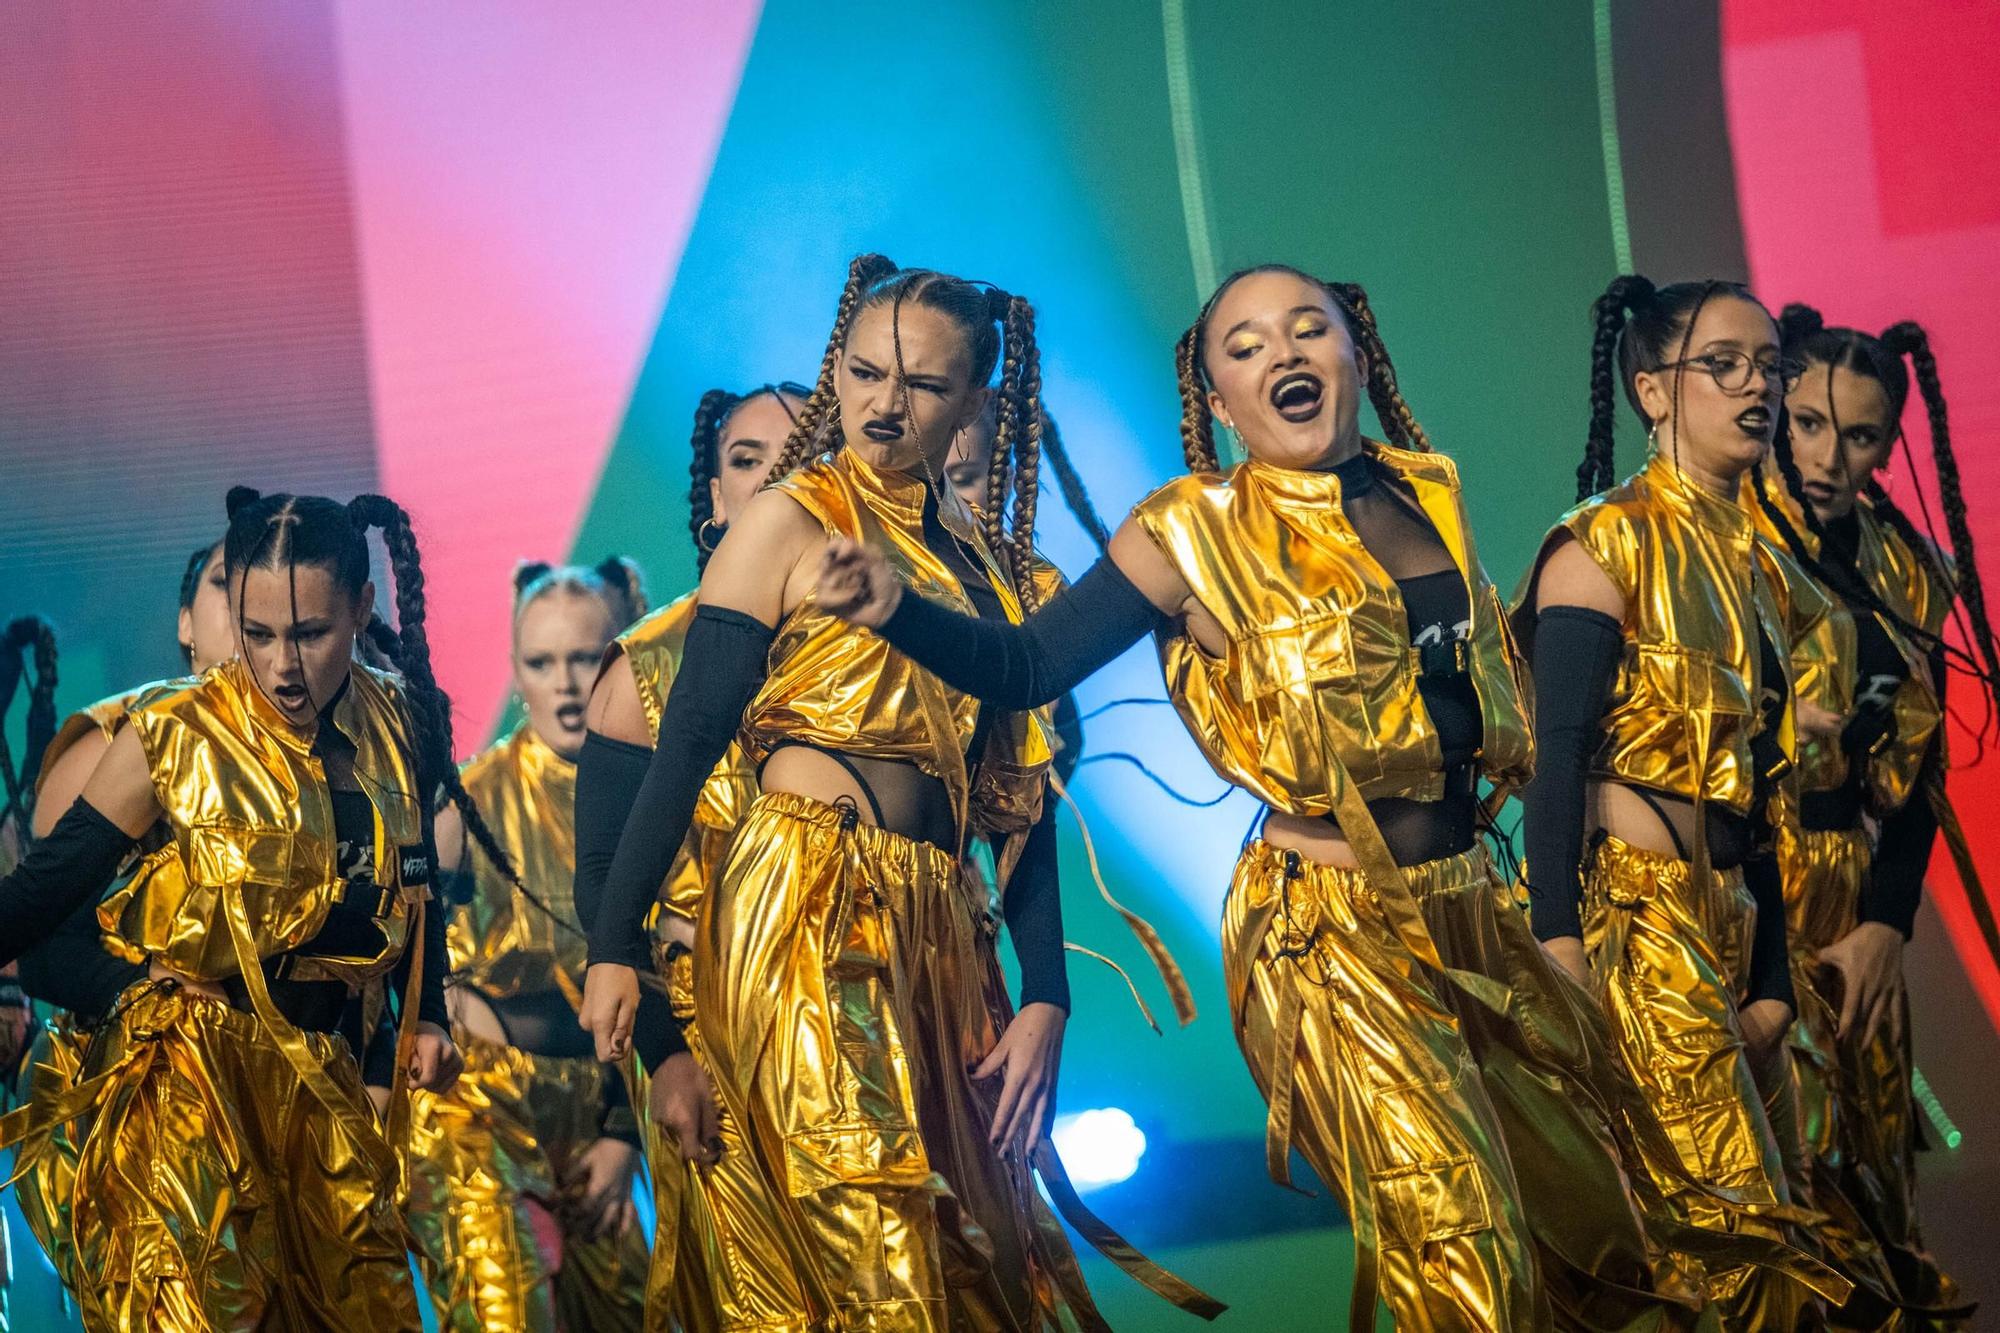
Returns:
point(1367, 1073)
point(44, 1191)
point(496, 1241)
point(1855, 1118)
point(215, 1191)
point(1666, 955)
point(845, 982)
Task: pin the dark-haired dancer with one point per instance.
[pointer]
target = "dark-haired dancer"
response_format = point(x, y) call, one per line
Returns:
point(705, 1182)
point(1660, 624)
point(1335, 649)
point(73, 971)
point(232, 1174)
point(845, 983)
point(1880, 664)
point(521, 1174)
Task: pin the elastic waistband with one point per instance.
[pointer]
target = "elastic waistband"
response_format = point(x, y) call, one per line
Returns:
point(878, 844)
point(1616, 855)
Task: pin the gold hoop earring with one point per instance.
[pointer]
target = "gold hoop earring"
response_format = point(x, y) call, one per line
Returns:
point(701, 536)
point(1653, 438)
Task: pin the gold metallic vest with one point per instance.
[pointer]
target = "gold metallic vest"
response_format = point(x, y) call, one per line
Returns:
point(832, 685)
point(1319, 661)
point(103, 717)
point(1899, 576)
point(1697, 580)
point(251, 823)
point(653, 647)
point(1821, 661)
point(501, 943)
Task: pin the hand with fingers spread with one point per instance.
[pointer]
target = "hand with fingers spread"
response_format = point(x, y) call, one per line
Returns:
point(682, 1102)
point(435, 1063)
point(1868, 962)
point(1026, 1059)
point(610, 1006)
point(857, 584)
point(599, 1186)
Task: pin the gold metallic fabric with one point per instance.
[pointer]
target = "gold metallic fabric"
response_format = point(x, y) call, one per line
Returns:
point(846, 983)
point(502, 944)
point(216, 1191)
point(1666, 951)
point(840, 688)
point(653, 649)
point(496, 1232)
point(103, 717)
point(46, 1188)
point(251, 818)
point(1319, 664)
point(1896, 575)
point(1367, 1074)
point(1697, 580)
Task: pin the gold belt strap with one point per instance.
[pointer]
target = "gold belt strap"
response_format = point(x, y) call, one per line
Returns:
point(33, 1126)
point(1149, 939)
point(1284, 1066)
point(368, 1140)
point(1379, 868)
point(1171, 1287)
point(1145, 1010)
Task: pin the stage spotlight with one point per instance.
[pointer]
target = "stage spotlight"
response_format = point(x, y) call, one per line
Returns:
point(1098, 1147)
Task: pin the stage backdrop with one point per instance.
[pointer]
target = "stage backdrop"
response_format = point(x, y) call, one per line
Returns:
point(485, 258)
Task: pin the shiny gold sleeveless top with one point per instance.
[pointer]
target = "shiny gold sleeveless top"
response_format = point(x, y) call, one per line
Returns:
point(250, 818)
point(1899, 576)
point(103, 717)
point(1698, 580)
point(653, 648)
point(1319, 661)
point(838, 687)
point(502, 944)
point(1821, 660)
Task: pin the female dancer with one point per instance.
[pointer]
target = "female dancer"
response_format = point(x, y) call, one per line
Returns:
point(1659, 624)
point(521, 1174)
point(844, 982)
point(1324, 557)
point(1852, 900)
point(73, 971)
point(232, 1173)
point(706, 1186)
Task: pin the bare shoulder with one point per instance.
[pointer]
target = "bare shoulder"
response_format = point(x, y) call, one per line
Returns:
point(615, 709)
point(62, 782)
point(120, 787)
point(1140, 559)
point(1570, 576)
point(761, 567)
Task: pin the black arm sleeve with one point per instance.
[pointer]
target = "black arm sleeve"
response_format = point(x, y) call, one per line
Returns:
point(1575, 660)
point(431, 1007)
point(1770, 971)
point(378, 1050)
point(1033, 907)
point(721, 667)
point(1903, 851)
point(1026, 665)
point(70, 867)
point(609, 775)
point(72, 971)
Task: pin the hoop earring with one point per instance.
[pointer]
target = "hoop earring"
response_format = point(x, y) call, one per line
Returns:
point(701, 537)
point(1653, 438)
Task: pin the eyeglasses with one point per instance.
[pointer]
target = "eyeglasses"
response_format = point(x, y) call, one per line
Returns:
point(1731, 370)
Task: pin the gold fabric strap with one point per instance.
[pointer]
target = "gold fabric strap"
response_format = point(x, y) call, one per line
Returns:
point(1169, 1286)
point(1145, 1010)
point(368, 1140)
point(1284, 1067)
point(1149, 939)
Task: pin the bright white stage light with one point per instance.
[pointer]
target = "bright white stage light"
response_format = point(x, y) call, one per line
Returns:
point(1099, 1147)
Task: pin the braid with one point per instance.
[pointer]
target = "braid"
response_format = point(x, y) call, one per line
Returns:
point(1598, 471)
point(382, 641)
point(20, 635)
point(1197, 426)
point(430, 706)
point(1399, 423)
point(821, 413)
point(1006, 438)
point(714, 409)
point(1909, 339)
point(1027, 411)
point(1071, 484)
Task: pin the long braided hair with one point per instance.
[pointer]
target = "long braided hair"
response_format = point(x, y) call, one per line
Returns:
point(711, 419)
point(1807, 338)
point(286, 531)
point(999, 328)
point(1399, 422)
point(25, 638)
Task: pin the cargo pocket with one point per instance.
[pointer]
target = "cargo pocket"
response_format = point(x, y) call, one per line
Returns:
point(1425, 1202)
